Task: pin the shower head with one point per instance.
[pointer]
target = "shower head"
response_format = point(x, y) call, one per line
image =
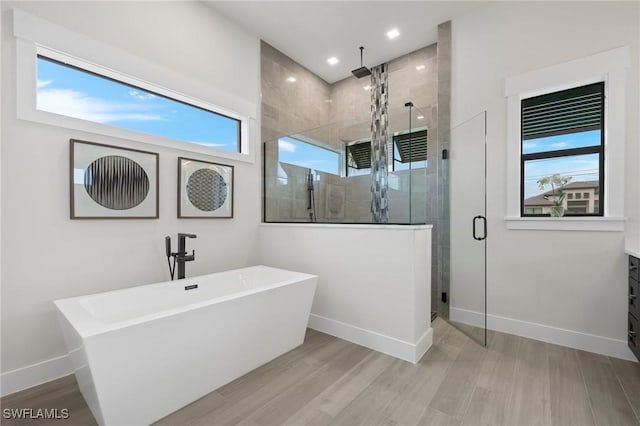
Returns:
point(362, 71)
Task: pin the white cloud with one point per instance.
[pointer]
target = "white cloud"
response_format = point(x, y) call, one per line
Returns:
point(286, 146)
point(43, 83)
point(141, 95)
point(557, 145)
point(213, 144)
point(75, 104)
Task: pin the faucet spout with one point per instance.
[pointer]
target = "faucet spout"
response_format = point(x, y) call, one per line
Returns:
point(183, 236)
point(182, 256)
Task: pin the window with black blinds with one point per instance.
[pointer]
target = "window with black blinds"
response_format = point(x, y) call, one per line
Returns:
point(569, 111)
point(359, 155)
point(563, 134)
point(412, 146)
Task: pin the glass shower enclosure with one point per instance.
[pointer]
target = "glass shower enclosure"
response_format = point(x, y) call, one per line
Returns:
point(323, 175)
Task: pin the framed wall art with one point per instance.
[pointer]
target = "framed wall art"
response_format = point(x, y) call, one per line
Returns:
point(109, 182)
point(205, 190)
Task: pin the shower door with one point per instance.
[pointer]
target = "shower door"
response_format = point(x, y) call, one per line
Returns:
point(468, 227)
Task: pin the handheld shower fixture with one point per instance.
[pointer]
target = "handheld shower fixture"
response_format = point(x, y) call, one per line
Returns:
point(362, 71)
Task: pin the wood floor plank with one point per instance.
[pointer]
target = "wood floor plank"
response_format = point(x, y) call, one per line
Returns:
point(529, 397)
point(337, 396)
point(285, 404)
point(489, 400)
point(454, 394)
point(628, 374)
point(409, 406)
point(243, 402)
point(608, 401)
point(367, 407)
point(569, 398)
point(433, 417)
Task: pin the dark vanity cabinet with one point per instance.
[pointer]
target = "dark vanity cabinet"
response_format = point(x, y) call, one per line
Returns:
point(634, 307)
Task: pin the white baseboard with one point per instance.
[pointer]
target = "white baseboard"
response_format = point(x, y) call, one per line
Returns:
point(397, 348)
point(559, 336)
point(35, 374)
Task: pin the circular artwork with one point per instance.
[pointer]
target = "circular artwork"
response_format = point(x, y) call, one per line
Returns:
point(207, 190)
point(116, 182)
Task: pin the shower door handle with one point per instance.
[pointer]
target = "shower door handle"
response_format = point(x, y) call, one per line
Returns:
point(484, 228)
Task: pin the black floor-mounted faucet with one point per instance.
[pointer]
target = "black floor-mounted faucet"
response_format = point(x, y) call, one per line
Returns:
point(181, 257)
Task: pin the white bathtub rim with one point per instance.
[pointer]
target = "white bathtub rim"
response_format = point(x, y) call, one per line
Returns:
point(87, 325)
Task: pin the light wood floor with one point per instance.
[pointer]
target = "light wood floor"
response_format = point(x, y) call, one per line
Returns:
point(327, 381)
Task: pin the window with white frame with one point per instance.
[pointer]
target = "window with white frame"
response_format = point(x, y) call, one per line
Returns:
point(68, 80)
point(600, 171)
point(86, 94)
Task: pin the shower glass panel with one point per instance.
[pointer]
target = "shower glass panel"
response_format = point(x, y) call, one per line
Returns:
point(468, 230)
point(324, 175)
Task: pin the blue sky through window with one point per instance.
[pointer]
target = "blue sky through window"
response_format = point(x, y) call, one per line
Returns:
point(69, 91)
point(555, 143)
point(294, 151)
point(579, 167)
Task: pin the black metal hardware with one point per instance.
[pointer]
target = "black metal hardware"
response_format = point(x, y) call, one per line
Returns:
point(191, 287)
point(443, 297)
point(484, 227)
point(182, 257)
point(445, 154)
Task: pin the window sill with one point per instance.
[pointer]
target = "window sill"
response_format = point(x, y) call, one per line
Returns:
point(607, 224)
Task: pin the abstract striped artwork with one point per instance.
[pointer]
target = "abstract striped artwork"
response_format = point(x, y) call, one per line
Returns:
point(116, 182)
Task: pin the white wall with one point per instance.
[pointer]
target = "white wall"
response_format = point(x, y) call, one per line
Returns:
point(374, 281)
point(46, 256)
point(542, 281)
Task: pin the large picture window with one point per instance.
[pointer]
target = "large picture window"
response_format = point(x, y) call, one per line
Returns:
point(75, 92)
point(562, 152)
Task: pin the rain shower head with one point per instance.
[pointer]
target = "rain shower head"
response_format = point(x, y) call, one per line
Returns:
point(362, 71)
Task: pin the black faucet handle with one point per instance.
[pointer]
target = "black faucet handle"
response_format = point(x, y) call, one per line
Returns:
point(167, 245)
point(181, 235)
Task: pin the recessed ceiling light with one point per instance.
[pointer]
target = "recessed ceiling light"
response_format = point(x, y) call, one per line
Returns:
point(420, 67)
point(393, 33)
point(333, 60)
point(420, 117)
point(292, 79)
point(367, 87)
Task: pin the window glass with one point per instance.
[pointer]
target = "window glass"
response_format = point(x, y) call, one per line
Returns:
point(358, 156)
point(70, 91)
point(562, 151)
point(559, 142)
point(303, 154)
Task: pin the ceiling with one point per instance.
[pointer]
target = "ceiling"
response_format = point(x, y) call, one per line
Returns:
point(310, 32)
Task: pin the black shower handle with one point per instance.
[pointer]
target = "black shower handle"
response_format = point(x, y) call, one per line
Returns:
point(484, 228)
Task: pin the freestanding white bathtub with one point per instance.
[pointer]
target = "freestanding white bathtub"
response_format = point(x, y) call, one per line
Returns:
point(143, 352)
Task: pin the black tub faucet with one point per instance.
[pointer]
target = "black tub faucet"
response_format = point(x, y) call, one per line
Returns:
point(181, 257)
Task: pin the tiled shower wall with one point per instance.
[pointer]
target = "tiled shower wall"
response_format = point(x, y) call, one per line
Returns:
point(339, 113)
point(290, 107)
